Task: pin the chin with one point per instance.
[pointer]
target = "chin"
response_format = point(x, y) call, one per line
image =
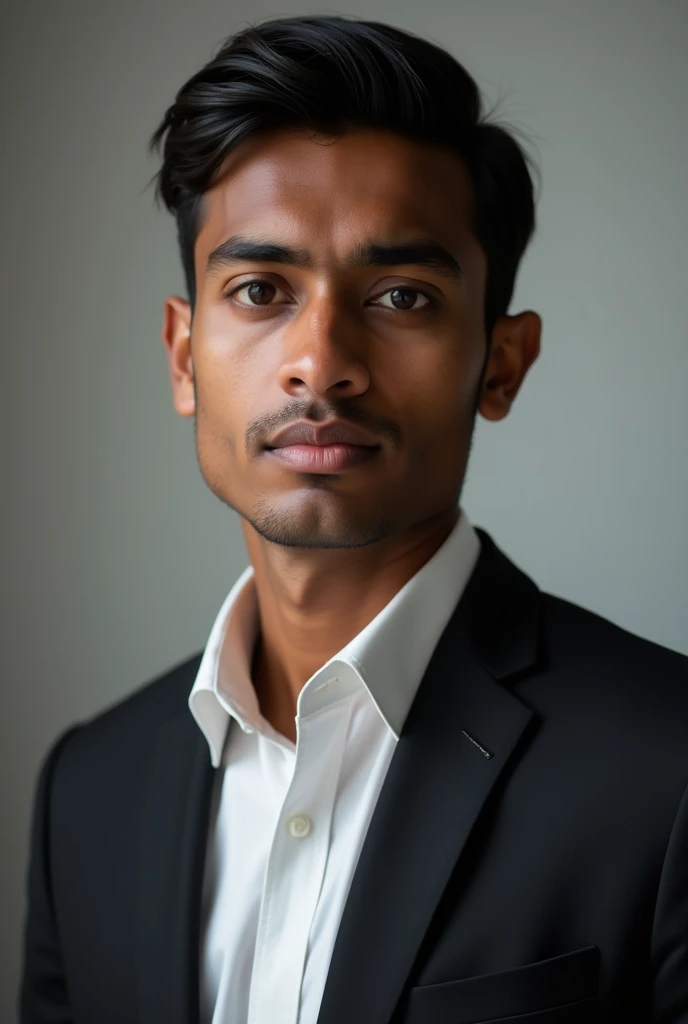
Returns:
point(305, 523)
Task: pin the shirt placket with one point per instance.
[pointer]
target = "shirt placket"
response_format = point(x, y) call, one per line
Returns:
point(296, 866)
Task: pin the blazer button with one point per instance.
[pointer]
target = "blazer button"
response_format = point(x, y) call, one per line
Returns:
point(299, 825)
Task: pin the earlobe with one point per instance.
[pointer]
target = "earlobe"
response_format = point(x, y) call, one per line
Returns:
point(176, 336)
point(514, 348)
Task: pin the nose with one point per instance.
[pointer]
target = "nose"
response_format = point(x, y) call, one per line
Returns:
point(324, 354)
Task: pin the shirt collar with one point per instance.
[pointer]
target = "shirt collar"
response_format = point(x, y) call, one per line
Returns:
point(388, 657)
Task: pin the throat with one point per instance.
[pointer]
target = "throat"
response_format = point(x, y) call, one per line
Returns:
point(276, 703)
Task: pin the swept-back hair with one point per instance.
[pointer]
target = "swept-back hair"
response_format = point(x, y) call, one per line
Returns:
point(332, 74)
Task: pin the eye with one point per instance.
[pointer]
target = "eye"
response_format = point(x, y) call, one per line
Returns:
point(260, 291)
point(406, 298)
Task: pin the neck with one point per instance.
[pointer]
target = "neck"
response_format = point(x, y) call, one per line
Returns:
point(312, 602)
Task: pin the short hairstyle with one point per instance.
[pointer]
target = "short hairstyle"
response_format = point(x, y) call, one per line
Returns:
point(331, 74)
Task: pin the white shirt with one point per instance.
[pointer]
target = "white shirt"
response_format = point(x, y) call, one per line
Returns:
point(288, 820)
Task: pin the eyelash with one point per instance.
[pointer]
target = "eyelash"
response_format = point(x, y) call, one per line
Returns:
point(432, 302)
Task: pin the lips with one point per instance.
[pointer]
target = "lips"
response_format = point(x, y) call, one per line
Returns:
point(327, 448)
point(329, 458)
point(334, 433)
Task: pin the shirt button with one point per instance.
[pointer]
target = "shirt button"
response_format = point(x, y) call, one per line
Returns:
point(299, 825)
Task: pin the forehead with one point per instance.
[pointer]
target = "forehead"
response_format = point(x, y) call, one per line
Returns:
point(328, 193)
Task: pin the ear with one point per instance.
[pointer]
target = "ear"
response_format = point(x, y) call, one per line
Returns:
point(176, 335)
point(514, 348)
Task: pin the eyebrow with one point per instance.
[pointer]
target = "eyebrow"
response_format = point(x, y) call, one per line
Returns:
point(420, 252)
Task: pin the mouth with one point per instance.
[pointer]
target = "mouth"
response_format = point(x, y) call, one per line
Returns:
point(324, 458)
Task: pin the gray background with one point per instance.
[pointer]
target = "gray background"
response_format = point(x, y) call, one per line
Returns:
point(116, 556)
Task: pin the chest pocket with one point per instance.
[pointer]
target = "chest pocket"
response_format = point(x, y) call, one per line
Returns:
point(561, 990)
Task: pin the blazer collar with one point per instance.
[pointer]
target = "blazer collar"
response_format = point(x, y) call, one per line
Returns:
point(461, 732)
point(498, 616)
point(458, 738)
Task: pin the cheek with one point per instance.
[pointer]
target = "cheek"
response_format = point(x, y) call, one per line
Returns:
point(441, 387)
point(223, 411)
point(227, 373)
point(441, 390)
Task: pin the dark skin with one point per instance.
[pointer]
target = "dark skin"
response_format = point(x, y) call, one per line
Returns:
point(397, 350)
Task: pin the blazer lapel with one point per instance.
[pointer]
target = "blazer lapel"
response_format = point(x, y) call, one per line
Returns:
point(458, 739)
point(174, 829)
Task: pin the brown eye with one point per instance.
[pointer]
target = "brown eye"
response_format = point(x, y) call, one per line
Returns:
point(259, 293)
point(404, 299)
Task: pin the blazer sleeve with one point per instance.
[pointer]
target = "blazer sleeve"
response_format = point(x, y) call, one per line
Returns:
point(670, 928)
point(43, 993)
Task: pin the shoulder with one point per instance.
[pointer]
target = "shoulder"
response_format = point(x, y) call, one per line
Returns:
point(125, 731)
point(583, 636)
point(612, 682)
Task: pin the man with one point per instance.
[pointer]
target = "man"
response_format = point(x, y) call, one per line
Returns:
point(399, 783)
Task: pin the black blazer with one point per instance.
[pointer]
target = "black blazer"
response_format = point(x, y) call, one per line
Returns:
point(527, 859)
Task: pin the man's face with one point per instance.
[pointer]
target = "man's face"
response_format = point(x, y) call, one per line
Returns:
point(396, 350)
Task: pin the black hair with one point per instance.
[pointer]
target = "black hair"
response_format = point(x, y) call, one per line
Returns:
point(332, 74)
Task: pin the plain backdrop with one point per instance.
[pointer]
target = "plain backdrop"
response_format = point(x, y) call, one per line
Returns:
point(116, 556)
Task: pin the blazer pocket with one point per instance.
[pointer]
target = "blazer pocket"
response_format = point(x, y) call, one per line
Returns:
point(558, 983)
